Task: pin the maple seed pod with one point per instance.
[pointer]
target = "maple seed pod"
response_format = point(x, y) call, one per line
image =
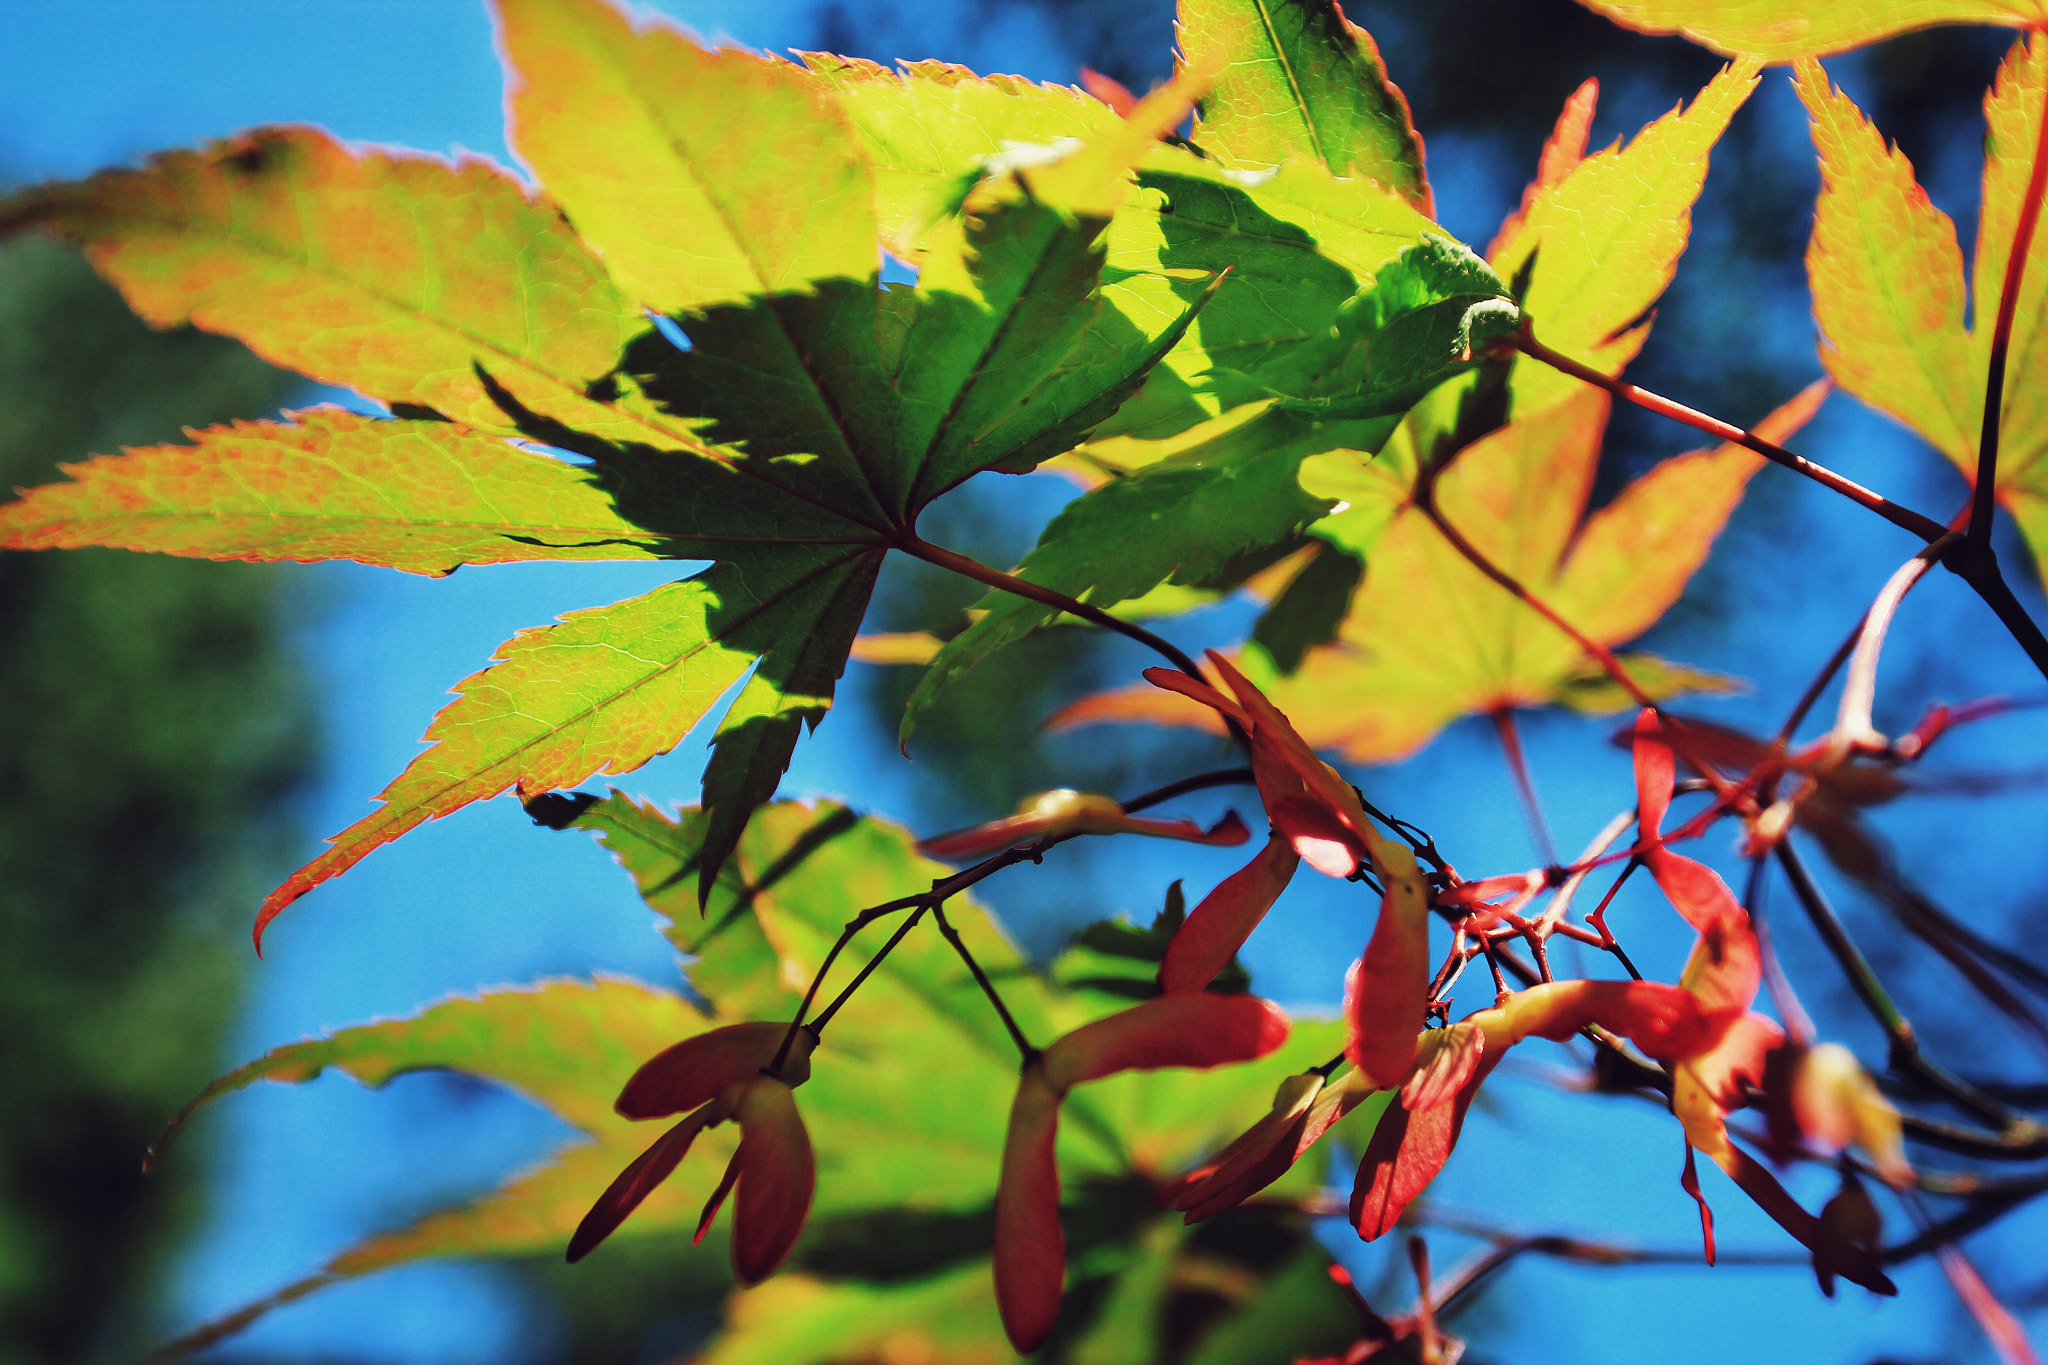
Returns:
point(697, 1070)
point(1209, 937)
point(1065, 811)
point(1031, 1248)
point(1173, 1030)
point(1836, 1103)
point(1386, 992)
point(777, 1176)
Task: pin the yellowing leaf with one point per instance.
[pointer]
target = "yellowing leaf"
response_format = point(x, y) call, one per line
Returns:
point(1430, 638)
point(1782, 30)
point(1887, 278)
point(420, 496)
point(674, 162)
point(567, 1045)
point(1889, 293)
point(933, 122)
point(1608, 234)
point(604, 691)
point(1301, 82)
point(395, 275)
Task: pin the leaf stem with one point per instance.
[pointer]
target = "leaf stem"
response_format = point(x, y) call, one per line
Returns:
point(1984, 494)
point(1532, 810)
point(825, 1015)
point(1905, 1044)
point(988, 988)
point(919, 548)
point(1904, 517)
point(1426, 500)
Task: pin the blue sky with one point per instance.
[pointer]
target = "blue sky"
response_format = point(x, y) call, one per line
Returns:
point(481, 898)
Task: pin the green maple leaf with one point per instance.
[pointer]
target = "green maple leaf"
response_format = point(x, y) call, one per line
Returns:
point(1300, 82)
point(1231, 486)
point(793, 440)
point(1889, 292)
point(1783, 30)
point(908, 1093)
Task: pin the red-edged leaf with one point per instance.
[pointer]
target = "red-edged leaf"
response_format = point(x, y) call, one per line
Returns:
point(1780, 30)
point(777, 1176)
point(1563, 150)
point(604, 691)
point(671, 159)
point(1173, 1030)
point(425, 497)
point(635, 1183)
point(396, 276)
point(1386, 993)
point(696, 1070)
point(1218, 927)
point(1031, 1249)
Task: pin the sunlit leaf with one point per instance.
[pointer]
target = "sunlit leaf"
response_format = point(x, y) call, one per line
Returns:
point(1781, 30)
point(393, 274)
point(672, 160)
point(420, 496)
point(1301, 82)
point(1889, 292)
point(568, 1046)
point(1183, 518)
point(1430, 638)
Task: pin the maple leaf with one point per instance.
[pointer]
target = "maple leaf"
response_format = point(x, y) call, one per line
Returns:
point(1429, 637)
point(1889, 293)
point(793, 439)
point(907, 1092)
point(1301, 82)
point(1782, 30)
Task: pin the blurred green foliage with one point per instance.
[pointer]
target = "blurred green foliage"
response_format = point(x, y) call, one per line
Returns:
point(152, 720)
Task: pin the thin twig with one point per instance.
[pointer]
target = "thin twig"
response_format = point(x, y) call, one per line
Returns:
point(988, 988)
point(1532, 810)
point(1984, 495)
point(1903, 517)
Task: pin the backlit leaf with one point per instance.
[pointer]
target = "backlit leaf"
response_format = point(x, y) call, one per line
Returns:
point(1889, 292)
point(1301, 82)
point(1781, 30)
point(672, 161)
point(1183, 518)
point(420, 496)
point(395, 275)
point(568, 1046)
point(1607, 236)
point(603, 691)
point(1429, 638)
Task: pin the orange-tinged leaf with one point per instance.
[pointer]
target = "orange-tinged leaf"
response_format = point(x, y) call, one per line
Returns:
point(1563, 150)
point(1430, 638)
point(1608, 235)
point(395, 275)
point(604, 691)
point(1887, 278)
point(425, 497)
point(1064, 811)
point(672, 160)
point(1300, 82)
point(1781, 30)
